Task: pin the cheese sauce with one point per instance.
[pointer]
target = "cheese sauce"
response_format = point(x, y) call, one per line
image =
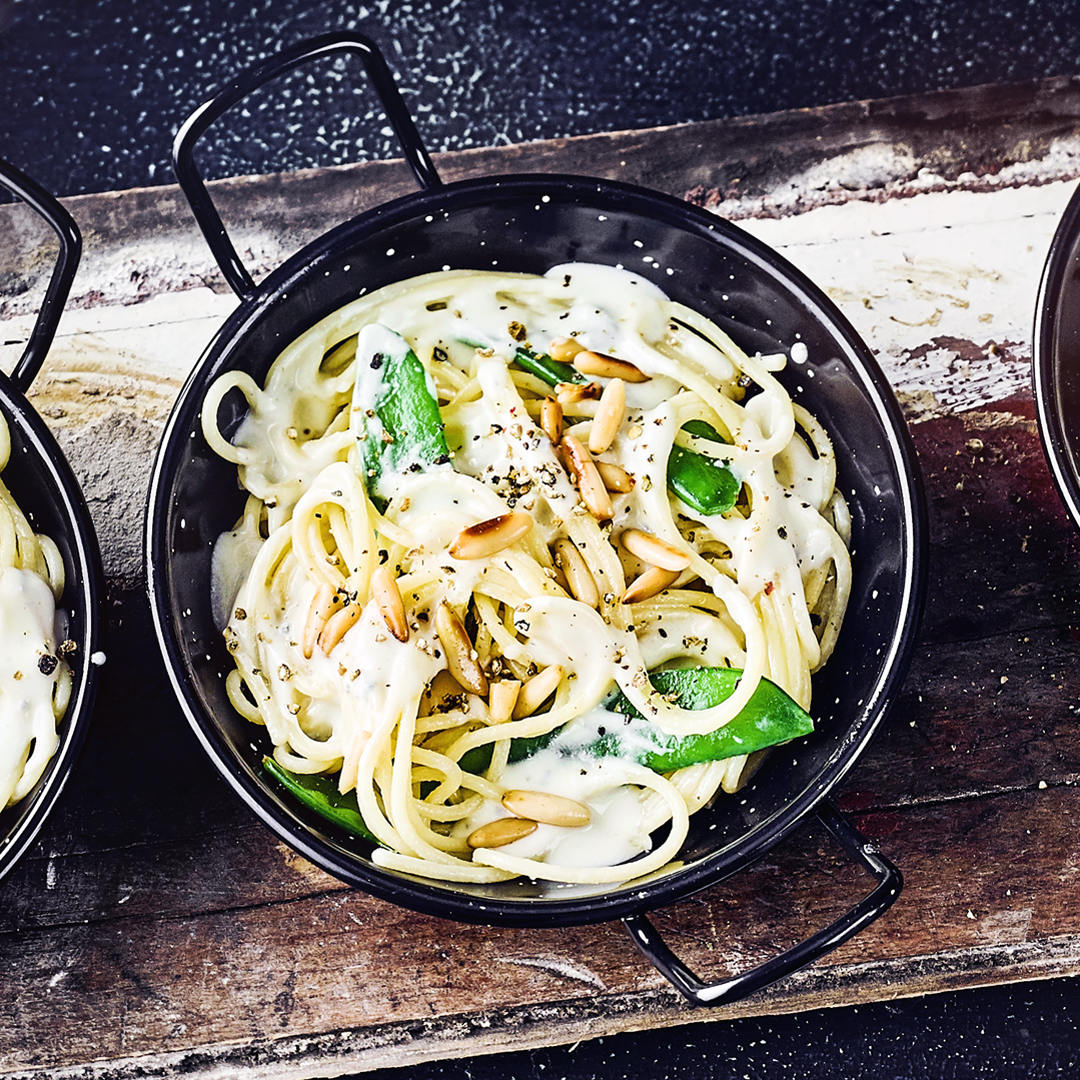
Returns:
point(35, 682)
point(28, 676)
point(761, 585)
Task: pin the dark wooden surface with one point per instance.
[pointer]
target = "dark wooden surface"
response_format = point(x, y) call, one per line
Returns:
point(158, 917)
point(157, 928)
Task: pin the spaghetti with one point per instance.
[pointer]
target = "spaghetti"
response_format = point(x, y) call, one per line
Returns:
point(610, 488)
point(35, 682)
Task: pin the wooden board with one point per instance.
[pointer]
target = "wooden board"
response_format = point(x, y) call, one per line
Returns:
point(158, 929)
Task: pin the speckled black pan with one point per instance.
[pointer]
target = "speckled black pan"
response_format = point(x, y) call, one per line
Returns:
point(47, 492)
point(529, 223)
point(1056, 357)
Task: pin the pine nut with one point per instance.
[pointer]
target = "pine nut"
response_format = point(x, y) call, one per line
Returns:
point(549, 809)
point(338, 625)
point(564, 349)
point(652, 582)
point(608, 367)
point(387, 597)
point(501, 831)
point(609, 416)
point(651, 549)
point(489, 537)
point(502, 699)
point(551, 418)
point(535, 691)
point(576, 571)
point(591, 488)
point(615, 477)
point(460, 656)
point(574, 454)
point(569, 393)
point(322, 604)
point(593, 493)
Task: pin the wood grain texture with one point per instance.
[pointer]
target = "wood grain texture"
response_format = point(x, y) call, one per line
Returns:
point(157, 929)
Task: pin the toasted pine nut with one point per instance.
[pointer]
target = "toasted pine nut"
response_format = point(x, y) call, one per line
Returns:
point(504, 830)
point(322, 605)
point(615, 477)
point(535, 691)
point(387, 597)
point(593, 493)
point(609, 416)
point(651, 549)
point(501, 700)
point(550, 809)
point(338, 625)
point(576, 571)
point(551, 418)
point(608, 367)
point(460, 655)
point(569, 393)
point(564, 349)
point(655, 580)
point(574, 455)
point(489, 537)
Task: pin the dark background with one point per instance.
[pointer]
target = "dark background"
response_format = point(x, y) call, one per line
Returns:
point(91, 92)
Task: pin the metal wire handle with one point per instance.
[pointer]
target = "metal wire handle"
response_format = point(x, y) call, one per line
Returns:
point(836, 933)
point(67, 263)
point(191, 182)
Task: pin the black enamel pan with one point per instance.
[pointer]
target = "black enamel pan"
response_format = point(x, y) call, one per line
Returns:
point(529, 223)
point(1056, 358)
point(43, 485)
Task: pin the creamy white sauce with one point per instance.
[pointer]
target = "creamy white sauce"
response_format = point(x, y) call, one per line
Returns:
point(615, 832)
point(230, 561)
point(28, 735)
point(502, 461)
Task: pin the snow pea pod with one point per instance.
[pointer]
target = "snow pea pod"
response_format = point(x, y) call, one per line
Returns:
point(769, 718)
point(701, 482)
point(320, 793)
point(395, 413)
point(544, 367)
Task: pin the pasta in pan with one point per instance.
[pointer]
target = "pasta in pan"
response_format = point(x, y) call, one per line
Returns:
point(522, 559)
point(35, 682)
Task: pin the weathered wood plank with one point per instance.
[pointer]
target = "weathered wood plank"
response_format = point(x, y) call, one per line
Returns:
point(989, 877)
point(158, 929)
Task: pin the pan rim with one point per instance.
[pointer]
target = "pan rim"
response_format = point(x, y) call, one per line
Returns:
point(1046, 364)
point(89, 590)
point(430, 897)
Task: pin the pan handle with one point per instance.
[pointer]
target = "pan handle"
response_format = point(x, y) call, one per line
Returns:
point(67, 262)
point(848, 925)
point(191, 182)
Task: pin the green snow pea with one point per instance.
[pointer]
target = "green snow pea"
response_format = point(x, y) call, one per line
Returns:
point(769, 718)
point(701, 482)
point(395, 412)
point(543, 367)
point(319, 793)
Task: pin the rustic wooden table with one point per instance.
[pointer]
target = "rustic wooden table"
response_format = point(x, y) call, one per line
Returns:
point(157, 928)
